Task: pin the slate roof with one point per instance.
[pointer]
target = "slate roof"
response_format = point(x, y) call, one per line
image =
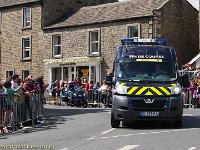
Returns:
point(6, 3)
point(110, 12)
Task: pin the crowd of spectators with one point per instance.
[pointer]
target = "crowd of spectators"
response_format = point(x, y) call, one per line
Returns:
point(17, 91)
point(194, 88)
point(92, 91)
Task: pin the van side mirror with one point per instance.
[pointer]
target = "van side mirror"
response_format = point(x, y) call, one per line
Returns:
point(185, 80)
point(109, 79)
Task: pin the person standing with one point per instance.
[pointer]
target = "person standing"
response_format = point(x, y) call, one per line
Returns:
point(58, 90)
point(53, 91)
point(96, 92)
point(9, 102)
point(104, 92)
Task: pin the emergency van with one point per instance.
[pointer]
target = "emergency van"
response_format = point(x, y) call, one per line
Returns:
point(146, 83)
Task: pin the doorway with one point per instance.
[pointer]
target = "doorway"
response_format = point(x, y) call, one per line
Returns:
point(83, 73)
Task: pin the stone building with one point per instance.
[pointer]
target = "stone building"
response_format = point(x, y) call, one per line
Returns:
point(21, 24)
point(67, 39)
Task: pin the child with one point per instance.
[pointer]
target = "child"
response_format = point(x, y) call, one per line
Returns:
point(9, 102)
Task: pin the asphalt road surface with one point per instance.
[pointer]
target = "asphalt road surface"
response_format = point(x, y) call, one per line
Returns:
point(89, 129)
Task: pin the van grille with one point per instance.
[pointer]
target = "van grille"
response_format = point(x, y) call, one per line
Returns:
point(138, 104)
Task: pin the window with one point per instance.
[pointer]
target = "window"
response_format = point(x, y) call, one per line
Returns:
point(94, 42)
point(56, 45)
point(56, 73)
point(26, 48)
point(26, 17)
point(133, 31)
point(25, 74)
point(9, 74)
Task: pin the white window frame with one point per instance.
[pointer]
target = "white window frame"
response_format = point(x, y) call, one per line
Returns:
point(26, 49)
point(7, 72)
point(26, 18)
point(56, 45)
point(133, 25)
point(91, 41)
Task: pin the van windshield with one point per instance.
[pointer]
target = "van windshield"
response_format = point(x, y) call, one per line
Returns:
point(146, 71)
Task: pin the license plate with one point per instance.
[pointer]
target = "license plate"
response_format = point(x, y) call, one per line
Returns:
point(149, 113)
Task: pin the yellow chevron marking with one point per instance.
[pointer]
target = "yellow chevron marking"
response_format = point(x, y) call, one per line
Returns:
point(122, 84)
point(141, 90)
point(173, 84)
point(156, 91)
point(148, 93)
point(170, 87)
point(132, 90)
point(164, 90)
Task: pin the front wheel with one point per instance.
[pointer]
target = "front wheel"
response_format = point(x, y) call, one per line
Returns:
point(114, 123)
point(72, 104)
point(85, 104)
point(178, 123)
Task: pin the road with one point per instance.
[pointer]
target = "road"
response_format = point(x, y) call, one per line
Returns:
point(89, 129)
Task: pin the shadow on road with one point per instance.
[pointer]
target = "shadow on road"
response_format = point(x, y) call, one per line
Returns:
point(188, 122)
point(54, 116)
point(69, 111)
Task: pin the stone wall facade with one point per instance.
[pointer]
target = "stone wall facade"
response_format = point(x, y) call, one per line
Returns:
point(75, 40)
point(177, 20)
point(11, 35)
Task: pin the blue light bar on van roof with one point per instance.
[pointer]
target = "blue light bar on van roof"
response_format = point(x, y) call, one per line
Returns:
point(127, 40)
point(136, 40)
point(161, 40)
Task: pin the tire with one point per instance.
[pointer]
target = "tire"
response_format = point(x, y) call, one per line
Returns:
point(72, 104)
point(114, 123)
point(85, 105)
point(178, 123)
point(125, 124)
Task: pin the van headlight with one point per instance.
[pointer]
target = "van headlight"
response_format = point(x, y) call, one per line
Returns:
point(176, 89)
point(120, 89)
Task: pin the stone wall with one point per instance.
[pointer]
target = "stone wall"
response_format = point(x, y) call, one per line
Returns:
point(11, 41)
point(75, 40)
point(178, 21)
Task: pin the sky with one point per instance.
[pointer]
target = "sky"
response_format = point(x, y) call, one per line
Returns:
point(195, 3)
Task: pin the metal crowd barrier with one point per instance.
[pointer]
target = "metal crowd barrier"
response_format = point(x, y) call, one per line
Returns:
point(190, 98)
point(97, 98)
point(16, 112)
point(187, 100)
point(94, 98)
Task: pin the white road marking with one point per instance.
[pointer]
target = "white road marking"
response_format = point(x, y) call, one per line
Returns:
point(128, 147)
point(125, 135)
point(188, 115)
point(192, 148)
point(102, 133)
point(64, 149)
point(105, 132)
point(93, 137)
